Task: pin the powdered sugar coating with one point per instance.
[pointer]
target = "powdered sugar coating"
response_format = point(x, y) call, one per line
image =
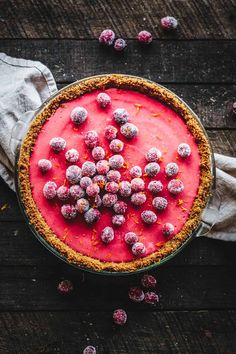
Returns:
point(107, 234)
point(152, 169)
point(79, 115)
point(44, 165)
point(168, 229)
point(91, 138)
point(171, 169)
point(57, 144)
point(103, 99)
point(98, 153)
point(125, 189)
point(120, 116)
point(110, 132)
point(76, 192)
point(175, 186)
point(155, 187)
point(120, 207)
point(113, 176)
point(137, 184)
point(131, 238)
point(63, 193)
point(153, 155)
point(116, 162)
point(107, 37)
point(88, 169)
point(68, 211)
point(92, 215)
point(72, 155)
point(184, 150)
point(102, 167)
point(85, 182)
point(109, 199)
point(112, 187)
point(138, 249)
point(50, 190)
point(118, 220)
point(160, 203)
point(148, 217)
point(116, 145)
point(135, 171)
point(82, 205)
point(129, 130)
point(92, 190)
point(73, 174)
point(138, 198)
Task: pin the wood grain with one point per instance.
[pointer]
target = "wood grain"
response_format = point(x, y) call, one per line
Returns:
point(86, 19)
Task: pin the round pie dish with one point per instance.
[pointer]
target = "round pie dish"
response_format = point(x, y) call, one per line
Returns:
point(163, 121)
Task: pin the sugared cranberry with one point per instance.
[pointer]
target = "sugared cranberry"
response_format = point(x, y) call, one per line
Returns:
point(148, 281)
point(72, 155)
point(131, 238)
point(57, 144)
point(175, 186)
point(77, 192)
point(116, 145)
point(85, 182)
point(97, 202)
point(92, 215)
point(63, 193)
point(113, 176)
point(107, 37)
point(184, 150)
point(169, 23)
point(88, 169)
point(100, 180)
point(129, 130)
point(120, 44)
point(138, 198)
point(137, 184)
point(50, 190)
point(112, 187)
point(73, 174)
point(103, 99)
point(135, 172)
point(145, 37)
point(107, 234)
point(79, 115)
point(118, 219)
point(155, 187)
point(125, 189)
point(148, 217)
point(120, 207)
point(89, 350)
point(98, 153)
point(234, 108)
point(44, 165)
point(150, 297)
point(91, 138)
point(136, 294)
point(82, 205)
point(109, 199)
point(92, 190)
point(119, 317)
point(102, 167)
point(168, 229)
point(110, 132)
point(120, 116)
point(68, 211)
point(171, 169)
point(152, 169)
point(160, 203)
point(138, 249)
point(65, 287)
point(116, 162)
point(153, 155)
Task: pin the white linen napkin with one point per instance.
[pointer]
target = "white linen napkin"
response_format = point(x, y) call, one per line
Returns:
point(26, 84)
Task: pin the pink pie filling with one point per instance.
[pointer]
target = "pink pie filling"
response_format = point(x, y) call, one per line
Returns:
point(159, 127)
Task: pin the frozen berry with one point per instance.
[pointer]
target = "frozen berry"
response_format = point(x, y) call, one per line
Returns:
point(129, 130)
point(116, 145)
point(125, 189)
point(131, 238)
point(152, 169)
point(63, 193)
point(98, 153)
point(184, 150)
point(138, 198)
point(82, 205)
point(107, 234)
point(65, 287)
point(148, 216)
point(50, 190)
point(148, 281)
point(136, 294)
point(57, 144)
point(102, 167)
point(92, 190)
point(88, 169)
point(145, 37)
point(92, 215)
point(138, 249)
point(68, 211)
point(160, 203)
point(44, 165)
point(103, 99)
point(116, 162)
point(112, 187)
point(91, 138)
point(100, 180)
point(169, 23)
point(89, 350)
point(137, 184)
point(150, 297)
point(85, 182)
point(118, 219)
point(155, 187)
point(171, 169)
point(113, 176)
point(168, 229)
point(107, 37)
point(120, 44)
point(79, 115)
point(110, 132)
point(153, 155)
point(135, 171)
point(119, 317)
point(77, 192)
point(72, 155)
point(109, 199)
point(73, 174)
point(175, 186)
point(120, 116)
point(120, 207)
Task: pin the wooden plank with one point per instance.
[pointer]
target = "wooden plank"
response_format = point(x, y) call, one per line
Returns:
point(163, 61)
point(86, 19)
point(183, 288)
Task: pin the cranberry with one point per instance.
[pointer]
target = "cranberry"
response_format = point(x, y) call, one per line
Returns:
point(107, 234)
point(113, 176)
point(120, 44)
point(73, 174)
point(148, 281)
point(85, 182)
point(79, 115)
point(63, 193)
point(92, 215)
point(136, 294)
point(148, 217)
point(131, 238)
point(118, 219)
point(234, 107)
point(98, 153)
point(150, 297)
point(153, 155)
point(102, 167)
point(112, 187)
point(109, 200)
point(44, 165)
point(107, 37)
point(89, 350)
point(92, 190)
point(138, 198)
point(137, 184)
point(91, 138)
point(184, 149)
point(152, 169)
point(110, 132)
point(145, 37)
point(125, 189)
point(171, 169)
point(155, 187)
point(65, 287)
point(175, 186)
point(88, 169)
point(72, 155)
point(119, 317)
point(68, 211)
point(50, 190)
point(103, 99)
point(129, 130)
point(100, 180)
point(76, 192)
point(169, 23)
point(120, 116)
point(116, 145)
point(116, 162)
point(82, 205)
point(138, 249)
point(135, 171)
point(168, 229)
point(120, 207)
point(160, 203)
point(57, 144)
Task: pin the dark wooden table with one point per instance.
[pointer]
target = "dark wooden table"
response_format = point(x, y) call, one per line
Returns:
point(197, 310)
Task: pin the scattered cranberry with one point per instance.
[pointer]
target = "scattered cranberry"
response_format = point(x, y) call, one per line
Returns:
point(103, 99)
point(98, 153)
point(91, 138)
point(125, 189)
point(116, 145)
point(151, 298)
point(44, 165)
point(119, 317)
point(73, 174)
point(79, 115)
point(120, 116)
point(155, 187)
point(148, 281)
point(89, 350)
point(137, 184)
point(129, 130)
point(135, 171)
point(116, 162)
point(68, 211)
point(85, 182)
point(175, 186)
point(152, 169)
point(65, 287)
point(153, 155)
point(169, 23)
point(76, 192)
point(118, 219)
point(82, 205)
point(171, 169)
point(109, 199)
point(136, 294)
point(168, 229)
point(57, 144)
point(112, 187)
point(92, 190)
point(138, 249)
point(110, 132)
point(50, 190)
point(107, 234)
point(100, 180)
point(113, 176)
point(160, 203)
point(63, 193)
point(131, 238)
point(120, 44)
point(145, 37)
point(148, 216)
point(72, 155)
point(102, 167)
point(107, 37)
point(88, 169)
point(120, 207)
point(234, 107)
point(92, 215)
point(138, 198)
point(184, 150)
